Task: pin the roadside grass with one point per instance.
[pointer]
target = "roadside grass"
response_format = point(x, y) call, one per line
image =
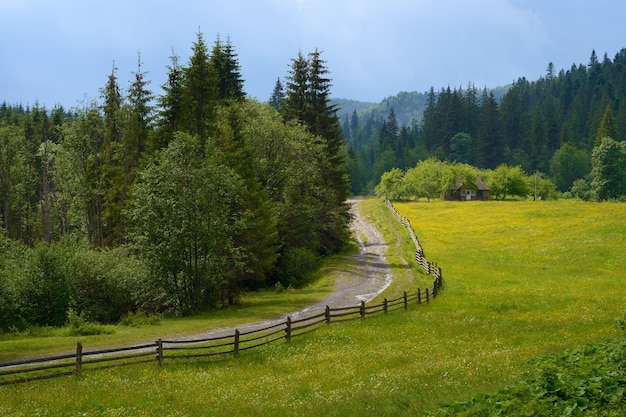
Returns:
point(521, 280)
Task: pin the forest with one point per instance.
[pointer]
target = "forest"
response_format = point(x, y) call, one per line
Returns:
point(176, 202)
point(548, 127)
point(171, 203)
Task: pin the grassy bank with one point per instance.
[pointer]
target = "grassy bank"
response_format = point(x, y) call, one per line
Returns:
point(521, 280)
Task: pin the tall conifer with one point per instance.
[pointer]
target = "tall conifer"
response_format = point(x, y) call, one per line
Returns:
point(199, 92)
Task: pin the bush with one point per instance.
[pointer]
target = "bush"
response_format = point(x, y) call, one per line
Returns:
point(44, 294)
point(590, 380)
point(10, 276)
point(78, 326)
point(107, 284)
point(297, 266)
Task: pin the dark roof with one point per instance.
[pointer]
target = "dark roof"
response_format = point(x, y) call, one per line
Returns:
point(480, 184)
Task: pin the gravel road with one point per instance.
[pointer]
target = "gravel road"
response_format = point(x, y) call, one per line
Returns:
point(351, 287)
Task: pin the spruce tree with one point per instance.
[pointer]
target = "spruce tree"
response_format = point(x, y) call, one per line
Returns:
point(608, 128)
point(228, 72)
point(308, 102)
point(278, 96)
point(171, 105)
point(294, 105)
point(113, 156)
point(199, 92)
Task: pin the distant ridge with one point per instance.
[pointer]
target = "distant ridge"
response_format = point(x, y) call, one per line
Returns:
point(408, 106)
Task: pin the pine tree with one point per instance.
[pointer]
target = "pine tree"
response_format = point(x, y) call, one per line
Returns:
point(608, 128)
point(278, 96)
point(171, 105)
point(389, 132)
point(294, 105)
point(308, 102)
point(140, 116)
point(489, 139)
point(199, 92)
point(226, 67)
point(113, 171)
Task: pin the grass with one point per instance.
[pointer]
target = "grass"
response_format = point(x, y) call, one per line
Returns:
point(521, 280)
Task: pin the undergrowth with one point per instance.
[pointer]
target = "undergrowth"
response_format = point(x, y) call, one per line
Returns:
point(588, 380)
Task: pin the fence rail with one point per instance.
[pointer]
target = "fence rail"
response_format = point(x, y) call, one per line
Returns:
point(25, 370)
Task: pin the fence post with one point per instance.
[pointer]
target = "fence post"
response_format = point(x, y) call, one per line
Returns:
point(427, 300)
point(236, 344)
point(288, 329)
point(79, 357)
point(362, 310)
point(385, 305)
point(159, 344)
point(419, 296)
point(435, 288)
point(327, 314)
point(406, 302)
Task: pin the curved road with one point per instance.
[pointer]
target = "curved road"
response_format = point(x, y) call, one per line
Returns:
point(372, 278)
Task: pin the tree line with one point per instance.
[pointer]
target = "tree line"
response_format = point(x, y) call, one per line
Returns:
point(550, 126)
point(173, 202)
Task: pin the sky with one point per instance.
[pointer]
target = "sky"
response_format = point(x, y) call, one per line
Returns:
point(60, 52)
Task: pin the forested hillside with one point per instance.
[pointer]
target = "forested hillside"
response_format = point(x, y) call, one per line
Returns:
point(550, 125)
point(173, 201)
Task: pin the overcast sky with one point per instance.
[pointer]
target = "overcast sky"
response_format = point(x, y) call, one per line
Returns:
point(61, 51)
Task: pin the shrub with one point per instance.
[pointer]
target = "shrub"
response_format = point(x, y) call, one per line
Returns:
point(107, 284)
point(44, 294)
point(78, 326)
point(297, 266)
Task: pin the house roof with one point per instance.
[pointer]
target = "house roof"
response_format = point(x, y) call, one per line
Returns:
point(480, 184)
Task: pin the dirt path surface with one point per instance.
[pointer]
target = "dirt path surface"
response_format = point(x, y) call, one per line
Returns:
point(372, 277)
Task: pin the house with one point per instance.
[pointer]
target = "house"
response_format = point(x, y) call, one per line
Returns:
point(476, 191)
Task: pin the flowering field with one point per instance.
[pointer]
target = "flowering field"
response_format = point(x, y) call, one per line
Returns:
point(521, 280)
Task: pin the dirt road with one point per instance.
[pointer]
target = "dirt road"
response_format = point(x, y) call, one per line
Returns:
point(352, 287)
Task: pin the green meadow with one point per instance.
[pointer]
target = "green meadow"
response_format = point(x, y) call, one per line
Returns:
point(521, 280)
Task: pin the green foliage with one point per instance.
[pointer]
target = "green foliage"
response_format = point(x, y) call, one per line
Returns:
point(567, 165)
point(508, 181)
point(582, 189)
point(307, 101)
point(297, 267)
point(140, 318)
point(390, 183)
point(291, 165)
point(44, 295)
point(590, 380)
point(186, 211)
point(9, 281)
point(78, 326)
point(607, 128)
point(461, 148)
point(541, 188)
point(108, 283)
point(608, 173)
point(425, 179)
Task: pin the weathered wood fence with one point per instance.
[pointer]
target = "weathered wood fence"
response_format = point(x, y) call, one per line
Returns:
point(420, 258)
point(233, 343)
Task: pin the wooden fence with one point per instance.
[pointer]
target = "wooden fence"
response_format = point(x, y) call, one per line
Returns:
point(81, 360)
point(420, 258)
